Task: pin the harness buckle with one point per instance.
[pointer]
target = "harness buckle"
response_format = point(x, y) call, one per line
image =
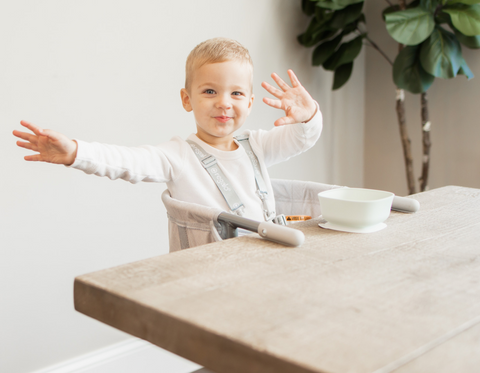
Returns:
point(267, 213)
point(209, 161)
point(280, 219)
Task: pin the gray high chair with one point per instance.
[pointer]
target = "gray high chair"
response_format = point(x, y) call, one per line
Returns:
point(191, 225)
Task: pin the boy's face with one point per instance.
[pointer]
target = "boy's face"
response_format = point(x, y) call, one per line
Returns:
point(221, 98)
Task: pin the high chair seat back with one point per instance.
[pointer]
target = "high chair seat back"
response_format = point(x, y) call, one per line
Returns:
point(190, 224)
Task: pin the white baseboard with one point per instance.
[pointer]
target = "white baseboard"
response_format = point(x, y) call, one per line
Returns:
point(131, 356)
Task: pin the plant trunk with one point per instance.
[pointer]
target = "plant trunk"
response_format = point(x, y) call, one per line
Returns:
point(426, 143)
point(406, 144)
point(402, 123)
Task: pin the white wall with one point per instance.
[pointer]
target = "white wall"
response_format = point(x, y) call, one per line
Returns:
point(111, 71)
point(454, 114)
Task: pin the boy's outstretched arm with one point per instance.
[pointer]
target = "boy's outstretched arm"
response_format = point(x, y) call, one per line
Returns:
point(52, 147)
point(295, 101)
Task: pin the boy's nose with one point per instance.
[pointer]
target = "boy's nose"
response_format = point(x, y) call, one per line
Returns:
point(223, 102)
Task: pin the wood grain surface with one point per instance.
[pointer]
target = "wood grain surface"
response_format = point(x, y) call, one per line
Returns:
point(404, 299)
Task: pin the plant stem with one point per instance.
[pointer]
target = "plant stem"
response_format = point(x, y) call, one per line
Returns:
point(402, 123)
point(374, 45)
point(426, 143)
point(406, 144)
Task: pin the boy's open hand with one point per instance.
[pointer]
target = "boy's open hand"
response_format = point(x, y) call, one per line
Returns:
point(52, 147)
point(295, 101)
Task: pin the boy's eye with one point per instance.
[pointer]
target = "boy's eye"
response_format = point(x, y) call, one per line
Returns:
point(209, 91)
point(236, 93)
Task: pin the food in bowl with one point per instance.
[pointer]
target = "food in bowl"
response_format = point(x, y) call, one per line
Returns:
point(355, 209)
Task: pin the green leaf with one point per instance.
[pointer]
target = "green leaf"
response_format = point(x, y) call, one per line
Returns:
point(465, 70)
point(308, 7)
point(411, 26)
point(408, 73)
point(442, 17)
point(472, 42)
point(351, 27)
point(441, 54)
point(429, 5)
point(468, 2)
point(345, 54)
point(323, 15)
point(347, 2)
point(315, 33)
point(329, 4)
point(307, 35)
point(342, 74)
point(396, 8)
point(337, 4)
point(325, 50)
point(324, 35)
point(466, 19)
point(390, 9)
point(343, 17)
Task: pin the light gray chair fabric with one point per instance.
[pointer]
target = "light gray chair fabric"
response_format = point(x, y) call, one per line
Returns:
point(191, 225)
point(293, 197)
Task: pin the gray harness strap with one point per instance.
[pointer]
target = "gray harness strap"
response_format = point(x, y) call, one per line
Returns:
point(268, 211)
point(209, 162)
point(243, 140)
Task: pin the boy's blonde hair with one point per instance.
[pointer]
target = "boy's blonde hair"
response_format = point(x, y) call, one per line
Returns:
point(213, 51)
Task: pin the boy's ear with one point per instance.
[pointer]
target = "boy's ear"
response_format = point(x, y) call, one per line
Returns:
point(185, 100)
point(250, 104)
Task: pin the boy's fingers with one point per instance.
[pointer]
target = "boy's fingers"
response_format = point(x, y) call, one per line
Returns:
point(36, 130)
point(33, 158)
point(284, 86)
point(273, 103)
point(271, 89)
point(283, 121)
point(20, 134)
point(25, 136)
point(293, 78)
point(27, 145)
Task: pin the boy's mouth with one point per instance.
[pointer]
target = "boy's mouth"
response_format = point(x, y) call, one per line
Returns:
point(223, 118)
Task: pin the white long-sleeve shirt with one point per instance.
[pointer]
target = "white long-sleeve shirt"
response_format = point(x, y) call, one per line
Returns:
point(175, 164)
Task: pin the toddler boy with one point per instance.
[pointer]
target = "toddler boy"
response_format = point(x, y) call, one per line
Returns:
point(218, 89)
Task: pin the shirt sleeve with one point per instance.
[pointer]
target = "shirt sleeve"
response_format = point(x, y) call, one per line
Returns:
point(147, 163)
point(281, 143)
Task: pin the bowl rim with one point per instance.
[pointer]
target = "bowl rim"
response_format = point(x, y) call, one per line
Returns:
point(325, 193)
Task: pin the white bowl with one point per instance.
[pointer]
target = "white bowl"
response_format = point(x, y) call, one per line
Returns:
point(355, 209)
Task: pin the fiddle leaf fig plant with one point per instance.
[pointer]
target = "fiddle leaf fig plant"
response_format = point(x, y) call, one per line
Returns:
point(438, 54)
point(331, 27)
point(411, 26)
point(430, 34)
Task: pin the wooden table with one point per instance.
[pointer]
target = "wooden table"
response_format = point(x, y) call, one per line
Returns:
point(405, 299)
